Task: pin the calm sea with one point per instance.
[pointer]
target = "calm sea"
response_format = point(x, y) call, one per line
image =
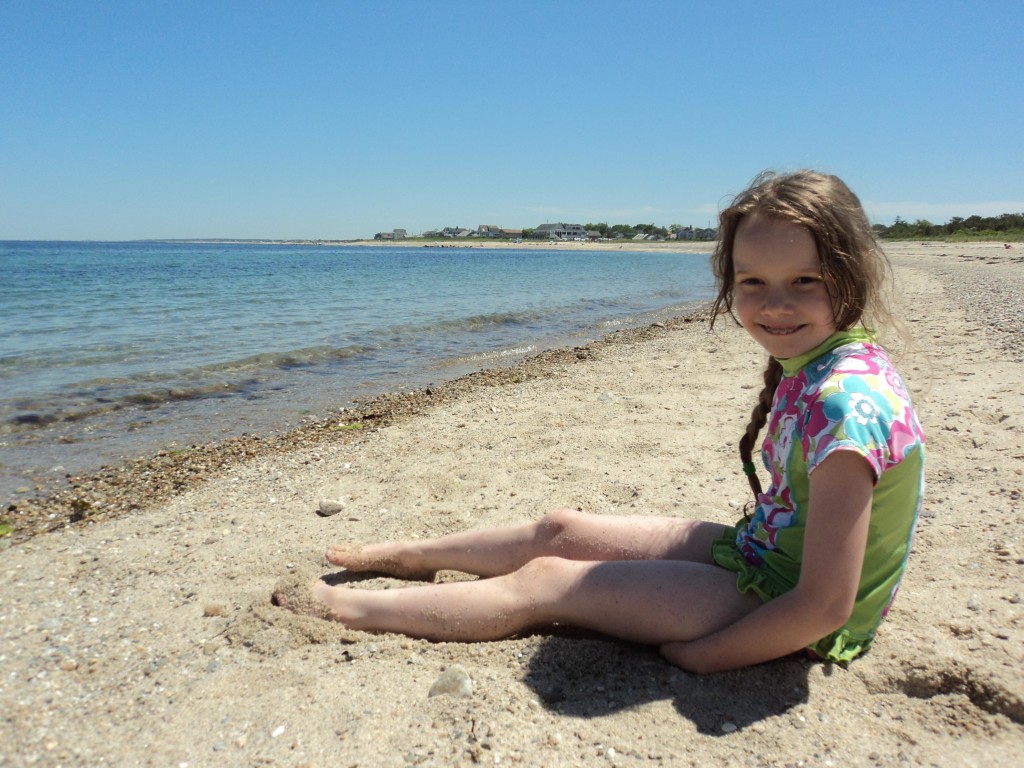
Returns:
point(113, 350)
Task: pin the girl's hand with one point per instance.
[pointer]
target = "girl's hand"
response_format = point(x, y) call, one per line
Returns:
point(685, 655)
point(679, 653)
point(821, 602)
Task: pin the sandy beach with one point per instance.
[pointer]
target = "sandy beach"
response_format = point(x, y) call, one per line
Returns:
point(142, 633)
point(677, 246)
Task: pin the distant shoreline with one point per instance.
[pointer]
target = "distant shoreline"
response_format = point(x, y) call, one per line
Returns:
point(667, 246)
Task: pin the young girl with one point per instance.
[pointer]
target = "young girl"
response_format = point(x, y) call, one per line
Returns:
point(817, 564)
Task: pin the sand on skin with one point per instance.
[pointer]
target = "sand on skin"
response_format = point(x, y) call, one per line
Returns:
point(150, 639)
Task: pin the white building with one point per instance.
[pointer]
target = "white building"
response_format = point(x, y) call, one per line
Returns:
point(560, 231)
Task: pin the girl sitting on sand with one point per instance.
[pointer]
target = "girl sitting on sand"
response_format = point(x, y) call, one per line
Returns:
point(819, 561)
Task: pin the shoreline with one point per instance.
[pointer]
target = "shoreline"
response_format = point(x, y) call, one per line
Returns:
point(112, 490)
point(626, 246)
point(676, 246)
point(74, 430)
point(109, 491)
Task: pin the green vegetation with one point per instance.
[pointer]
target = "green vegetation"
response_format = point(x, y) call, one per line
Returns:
point(1006, 227)
point(625, 230)
point(651, 230)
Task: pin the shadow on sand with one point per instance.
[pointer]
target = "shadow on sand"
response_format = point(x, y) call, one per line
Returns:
point(583, 675)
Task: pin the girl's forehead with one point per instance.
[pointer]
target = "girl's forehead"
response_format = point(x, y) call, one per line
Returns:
point(756, 225)
point(761, 240)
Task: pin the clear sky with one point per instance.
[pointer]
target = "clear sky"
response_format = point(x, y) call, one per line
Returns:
point(335, 120)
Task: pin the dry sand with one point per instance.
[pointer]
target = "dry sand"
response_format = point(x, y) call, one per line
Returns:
point(147, 638)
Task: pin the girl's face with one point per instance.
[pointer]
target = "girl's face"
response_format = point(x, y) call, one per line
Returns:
point(780, 296)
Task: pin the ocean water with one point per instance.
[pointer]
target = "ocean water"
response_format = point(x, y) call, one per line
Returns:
point(114, 350)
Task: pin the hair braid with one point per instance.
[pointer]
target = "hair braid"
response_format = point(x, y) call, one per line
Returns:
point(853, 266)
point(758, 418)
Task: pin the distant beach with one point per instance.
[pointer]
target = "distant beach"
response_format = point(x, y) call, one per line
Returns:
point(666, 246)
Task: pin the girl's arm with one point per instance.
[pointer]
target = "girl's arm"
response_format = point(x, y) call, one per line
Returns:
point(823, 599)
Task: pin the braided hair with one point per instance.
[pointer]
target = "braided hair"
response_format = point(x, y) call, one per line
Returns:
point(852, 265)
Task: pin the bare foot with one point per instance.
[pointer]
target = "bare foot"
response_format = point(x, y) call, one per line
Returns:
point(296, 592)
point(340, 603)
point(393, 558)
point(318, 599)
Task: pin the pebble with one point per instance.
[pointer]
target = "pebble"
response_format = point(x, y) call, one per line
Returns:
point(454, 681)
point(277, 732)
point(330, 507)
point(974, 604)
point(728, 727)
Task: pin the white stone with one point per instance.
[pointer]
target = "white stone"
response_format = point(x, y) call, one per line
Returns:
point(454, 681)
point(330, 507)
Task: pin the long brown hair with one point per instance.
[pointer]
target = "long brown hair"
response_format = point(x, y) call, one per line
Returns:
point(852, 264)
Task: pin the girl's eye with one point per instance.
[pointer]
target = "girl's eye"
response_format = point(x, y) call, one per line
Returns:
point(806, 280)
point(750, 281)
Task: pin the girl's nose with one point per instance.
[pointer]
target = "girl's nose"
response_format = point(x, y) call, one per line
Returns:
point(778, 300)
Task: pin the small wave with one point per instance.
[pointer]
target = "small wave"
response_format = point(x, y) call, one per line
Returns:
point(296, 358)
point(500, 354)
point(98, 397)
point(470, 323)
point(56, 412)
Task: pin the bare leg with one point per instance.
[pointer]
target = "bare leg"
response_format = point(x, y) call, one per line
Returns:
point(644, 601)
point(564, 533)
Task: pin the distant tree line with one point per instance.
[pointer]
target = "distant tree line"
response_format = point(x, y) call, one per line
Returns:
point(1007, 226)
point(626, 230)
point(612, 231)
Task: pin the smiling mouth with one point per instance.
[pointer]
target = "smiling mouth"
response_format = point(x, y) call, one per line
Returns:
point(777, 331)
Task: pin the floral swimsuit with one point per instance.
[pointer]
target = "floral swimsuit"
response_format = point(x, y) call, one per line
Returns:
point(843, 395)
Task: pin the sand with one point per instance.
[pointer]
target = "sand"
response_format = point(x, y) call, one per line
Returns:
point(147, 636)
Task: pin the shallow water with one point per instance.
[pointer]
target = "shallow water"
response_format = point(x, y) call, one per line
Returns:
point(113, 350)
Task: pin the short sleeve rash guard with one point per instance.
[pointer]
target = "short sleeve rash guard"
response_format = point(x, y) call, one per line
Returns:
point(844, 395)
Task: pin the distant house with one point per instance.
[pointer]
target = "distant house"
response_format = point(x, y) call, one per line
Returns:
point(689, 233)
point(560, 231)
point(395, 234)
point(457, 232)
point(492, 230)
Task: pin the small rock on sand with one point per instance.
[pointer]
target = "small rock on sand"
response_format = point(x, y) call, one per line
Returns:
point(454, 681)
point(330, 507)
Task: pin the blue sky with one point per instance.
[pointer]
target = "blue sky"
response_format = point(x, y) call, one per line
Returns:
point(145, 119)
